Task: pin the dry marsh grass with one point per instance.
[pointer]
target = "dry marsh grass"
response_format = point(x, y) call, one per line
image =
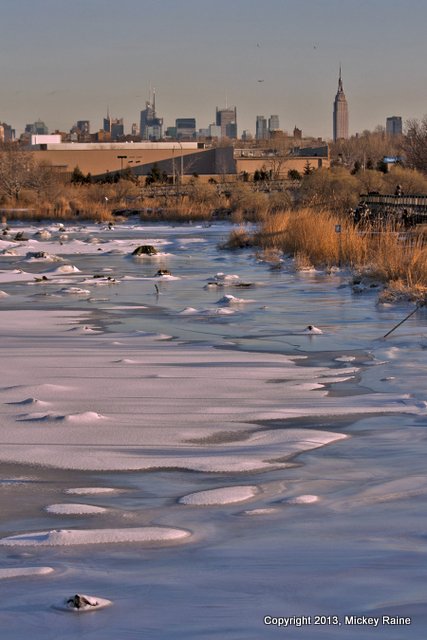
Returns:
point(388, 255)
point(239, 238)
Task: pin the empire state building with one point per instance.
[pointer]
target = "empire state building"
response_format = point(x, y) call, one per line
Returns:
point(340, 113)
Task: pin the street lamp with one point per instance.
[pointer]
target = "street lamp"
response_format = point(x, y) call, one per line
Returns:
point(182, 162)
point(173, 164)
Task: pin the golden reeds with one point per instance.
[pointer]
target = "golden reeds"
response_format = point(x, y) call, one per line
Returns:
point(387, 254)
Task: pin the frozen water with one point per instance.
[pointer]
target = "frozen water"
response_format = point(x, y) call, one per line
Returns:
point(244, 466)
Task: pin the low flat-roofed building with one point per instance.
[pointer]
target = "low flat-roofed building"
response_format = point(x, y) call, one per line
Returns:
point(103, 158)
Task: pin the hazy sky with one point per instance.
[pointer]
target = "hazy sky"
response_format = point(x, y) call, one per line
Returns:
point(63, 60)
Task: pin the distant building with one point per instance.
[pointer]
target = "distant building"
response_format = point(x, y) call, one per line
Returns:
point(340, 118)
point(106, 124)
point(151, 127)
point(37, 128)
point(227, 120)
point(393, 126)
point(134, 130)
point(273, 123)
point(215, 131)
point(83, 127)
point(203, 133)
point(170, 133)
point(297, 133)
point(7, 134)
point(278, 135)
point(43, 140)
point(117, 128)
point(80, 132)
point(106, 159)
point(102, 136)
point(261, 131)
point(185, 128)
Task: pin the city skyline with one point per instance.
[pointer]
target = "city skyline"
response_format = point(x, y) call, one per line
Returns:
point(276, 58)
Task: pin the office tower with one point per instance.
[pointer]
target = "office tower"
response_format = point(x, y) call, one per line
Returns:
point(185, 128)
point(117, 128)
point(106, 125)
point(273, 123)
point(340, 121)
point(151, 127)
point(214, 131)
point(37, 128)
point(227, 120)
point(261, 131)
point(393, 126)
point(80, 132)
point(83, 127)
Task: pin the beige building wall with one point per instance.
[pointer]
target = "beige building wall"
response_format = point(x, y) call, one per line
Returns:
point(250, 165)
point(100, 161)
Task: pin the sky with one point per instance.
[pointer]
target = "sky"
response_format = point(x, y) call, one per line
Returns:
point(63, 61)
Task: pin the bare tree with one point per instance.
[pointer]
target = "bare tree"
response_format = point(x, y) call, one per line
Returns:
point(415, 144)
point(365, 150)
point(45, 180)
point(16, 167)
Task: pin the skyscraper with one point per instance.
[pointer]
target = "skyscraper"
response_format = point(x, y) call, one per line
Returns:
point(227, 120)
point(393, 126)
point(273, 123)
point(151, 127)
point(340, 113)
point(117, 128)
point(106, 124)
point(261, 131)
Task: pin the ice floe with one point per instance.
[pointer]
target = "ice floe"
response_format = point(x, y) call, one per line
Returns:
point(312, 330)
point(74, 509)
point(81, 603)
point(75, 291)
point(262, 511)
point(65, 268)
point(229, 299)
point(67, 537)
point(224, 495)
point(24, 572)
point(87, 491)
point(304, 499)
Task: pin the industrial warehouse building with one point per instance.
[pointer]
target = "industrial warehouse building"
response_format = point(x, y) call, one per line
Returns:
point(174, 158)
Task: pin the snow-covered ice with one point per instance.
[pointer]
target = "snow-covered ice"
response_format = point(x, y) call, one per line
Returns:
point(225, 464)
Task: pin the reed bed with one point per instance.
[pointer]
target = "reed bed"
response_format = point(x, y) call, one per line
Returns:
point(387, 254)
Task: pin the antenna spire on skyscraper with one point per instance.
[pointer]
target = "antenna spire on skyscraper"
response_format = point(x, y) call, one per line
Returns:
point(340, 88)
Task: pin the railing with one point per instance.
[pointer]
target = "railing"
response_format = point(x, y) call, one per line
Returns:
point(417, 203)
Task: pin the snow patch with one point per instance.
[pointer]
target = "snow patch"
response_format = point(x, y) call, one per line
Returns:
point(74, 509)
point(16, 572)
point(225, 495)
point(70, 537)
